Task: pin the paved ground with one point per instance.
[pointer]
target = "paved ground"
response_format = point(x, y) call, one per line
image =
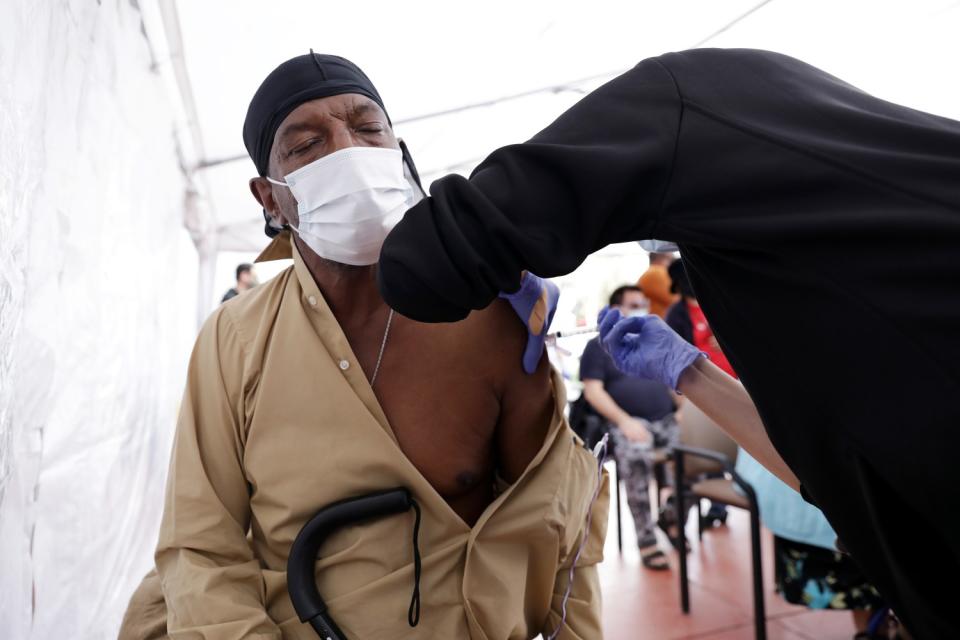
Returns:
point(644, 605)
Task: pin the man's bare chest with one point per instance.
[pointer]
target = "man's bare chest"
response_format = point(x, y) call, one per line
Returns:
point(445, 425)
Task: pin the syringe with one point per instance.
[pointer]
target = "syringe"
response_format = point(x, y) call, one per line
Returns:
point(573, 332)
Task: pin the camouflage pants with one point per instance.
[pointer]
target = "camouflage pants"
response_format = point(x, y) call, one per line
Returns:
point(635, 465)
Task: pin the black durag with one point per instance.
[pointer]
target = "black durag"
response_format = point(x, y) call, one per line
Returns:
point(298, 80)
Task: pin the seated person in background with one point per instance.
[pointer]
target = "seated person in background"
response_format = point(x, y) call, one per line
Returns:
point(309, 390)
point(808, 569)
point(641, 413)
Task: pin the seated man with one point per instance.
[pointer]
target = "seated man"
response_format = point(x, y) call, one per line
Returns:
point(309, 390)
point(642, 414)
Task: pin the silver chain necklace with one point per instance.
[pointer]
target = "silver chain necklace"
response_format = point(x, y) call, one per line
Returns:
point(383, 345)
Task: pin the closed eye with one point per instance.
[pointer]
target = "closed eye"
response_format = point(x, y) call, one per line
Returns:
point(306, 146)
point(373, 127)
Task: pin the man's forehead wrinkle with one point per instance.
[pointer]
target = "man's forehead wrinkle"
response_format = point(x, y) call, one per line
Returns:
point(361, 107)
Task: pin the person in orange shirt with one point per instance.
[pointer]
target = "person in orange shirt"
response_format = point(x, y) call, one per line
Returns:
point(655, 284)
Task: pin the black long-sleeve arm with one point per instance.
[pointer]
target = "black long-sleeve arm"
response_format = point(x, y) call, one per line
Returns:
point(594, 176)
point(729, 149)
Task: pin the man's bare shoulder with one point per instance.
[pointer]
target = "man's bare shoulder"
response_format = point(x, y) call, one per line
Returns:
point(495, 333)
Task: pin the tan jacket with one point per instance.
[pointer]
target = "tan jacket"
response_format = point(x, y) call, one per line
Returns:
point(274, 427)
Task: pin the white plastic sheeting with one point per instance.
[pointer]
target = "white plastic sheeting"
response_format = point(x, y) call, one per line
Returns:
point(97, 312)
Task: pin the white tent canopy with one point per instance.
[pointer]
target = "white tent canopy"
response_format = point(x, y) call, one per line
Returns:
point(428, 57)
point(431, 57)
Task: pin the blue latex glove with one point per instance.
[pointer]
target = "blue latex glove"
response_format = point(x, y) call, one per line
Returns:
point(644, 346)
point(535, 303)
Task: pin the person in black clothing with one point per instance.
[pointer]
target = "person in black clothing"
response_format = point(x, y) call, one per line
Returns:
point(678, 318)
point(640, 413)
point(801, 206)
point(678, 315)
point(245, 280)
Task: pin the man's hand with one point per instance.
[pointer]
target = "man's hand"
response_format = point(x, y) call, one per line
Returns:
point(535, 303)
point(646, 347)
point(635, 429)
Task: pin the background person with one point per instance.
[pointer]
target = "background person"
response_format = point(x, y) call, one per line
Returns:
point(640, 412)
point(246, 280)
point(655, 284)
point(686, 317)
point(809, 571)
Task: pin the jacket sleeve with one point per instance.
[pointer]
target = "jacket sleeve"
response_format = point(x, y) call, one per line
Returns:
point(211, 580)
point(596, 175)
point(583, 607)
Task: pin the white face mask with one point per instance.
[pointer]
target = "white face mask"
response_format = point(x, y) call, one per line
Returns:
point(349, 201)
point(658, 246)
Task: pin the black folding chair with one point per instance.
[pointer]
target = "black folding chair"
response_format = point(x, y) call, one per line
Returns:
point(719, 490)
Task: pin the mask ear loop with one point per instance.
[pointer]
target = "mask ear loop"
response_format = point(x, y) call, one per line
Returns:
point(273, 228)
point(410, 168)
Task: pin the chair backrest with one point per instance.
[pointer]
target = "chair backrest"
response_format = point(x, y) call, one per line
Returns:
point(698, 430)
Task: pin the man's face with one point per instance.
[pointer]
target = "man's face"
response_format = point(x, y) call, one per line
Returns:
point(632, 302)
point(313, 130)
point(247, 279)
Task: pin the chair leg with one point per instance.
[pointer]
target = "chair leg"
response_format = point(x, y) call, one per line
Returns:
point(616, 476)
point(681, 534)
point(759, 612)
point(699, 520)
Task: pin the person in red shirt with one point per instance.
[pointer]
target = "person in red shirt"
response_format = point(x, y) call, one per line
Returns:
point(686, 318)
point(703, 336)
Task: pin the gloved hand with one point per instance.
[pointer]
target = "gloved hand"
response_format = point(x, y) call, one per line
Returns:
point(535, 303)
point(644, 346)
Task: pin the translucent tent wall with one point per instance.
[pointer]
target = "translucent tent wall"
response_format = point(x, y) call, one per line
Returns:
point(98, 280)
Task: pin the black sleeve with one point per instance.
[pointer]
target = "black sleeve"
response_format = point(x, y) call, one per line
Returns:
point(596, 175)
point(593, 362)
point(735, 155)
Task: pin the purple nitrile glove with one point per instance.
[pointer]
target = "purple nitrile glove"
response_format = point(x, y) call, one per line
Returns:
point(646, 347)
point(535, 302)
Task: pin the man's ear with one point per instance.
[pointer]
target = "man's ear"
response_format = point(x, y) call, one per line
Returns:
point(262, 190)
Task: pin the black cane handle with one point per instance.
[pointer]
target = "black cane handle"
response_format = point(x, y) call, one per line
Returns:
point(301, 577)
